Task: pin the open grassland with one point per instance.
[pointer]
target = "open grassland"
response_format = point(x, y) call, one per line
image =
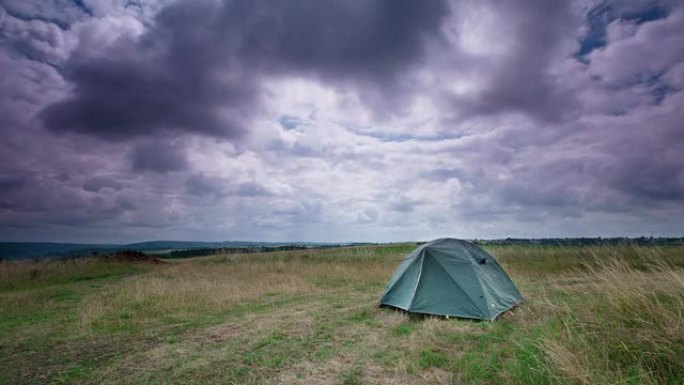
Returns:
point(599, 315)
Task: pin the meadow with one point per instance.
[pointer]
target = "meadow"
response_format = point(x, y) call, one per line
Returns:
point(593, 315)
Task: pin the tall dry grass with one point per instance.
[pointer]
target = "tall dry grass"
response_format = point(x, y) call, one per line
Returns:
point(536, 261)
point(623, 325)
point(593, 315)
point(212, 285)
point(14, 275)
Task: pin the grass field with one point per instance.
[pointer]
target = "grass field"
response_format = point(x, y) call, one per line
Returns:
point(599, 315)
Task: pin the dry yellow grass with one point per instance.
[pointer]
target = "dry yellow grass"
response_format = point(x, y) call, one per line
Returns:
point(221, 282)
point(30, 274)
point(627, 317)
point(591, 316)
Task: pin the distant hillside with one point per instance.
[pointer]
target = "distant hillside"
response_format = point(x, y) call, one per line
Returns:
point(29, 250)
point(39, 250)
point(183, 249)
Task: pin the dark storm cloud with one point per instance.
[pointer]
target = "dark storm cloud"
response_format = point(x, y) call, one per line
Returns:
point(9, 181)
point(165, 124)
point(96, 184)
point(158, 157)
point(651, 171)
point(200, 65)
point(557, 184)
point(651, 180)
point(520, 80)
point(203, 186)
point(374, 41)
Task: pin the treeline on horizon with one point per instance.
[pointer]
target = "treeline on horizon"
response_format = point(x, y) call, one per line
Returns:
point(584, 241)
point(187, 253)
point(236, 250)
point(587, 241)
point(206, 251)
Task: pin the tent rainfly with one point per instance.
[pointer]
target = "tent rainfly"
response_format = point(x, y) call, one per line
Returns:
point(454, 278)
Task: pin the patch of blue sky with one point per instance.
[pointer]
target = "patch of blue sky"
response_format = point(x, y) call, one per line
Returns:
point(604, 13)
point(661, 90)
point(655, 12)
point(62, 24)
point(389, 137)
point(134, 5)
point(80, 4)
point(654, 81)
point(290, 122)
point(61, 13)
point(597, 20)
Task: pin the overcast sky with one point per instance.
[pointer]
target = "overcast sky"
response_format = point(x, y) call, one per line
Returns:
point(340, 120)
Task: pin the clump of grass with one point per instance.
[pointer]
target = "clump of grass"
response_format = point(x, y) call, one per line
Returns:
point(404, 329)
point(352, 376)
point(432, 358)
point(625, 325)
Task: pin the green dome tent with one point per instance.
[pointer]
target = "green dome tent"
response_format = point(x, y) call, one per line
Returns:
point(451, 277)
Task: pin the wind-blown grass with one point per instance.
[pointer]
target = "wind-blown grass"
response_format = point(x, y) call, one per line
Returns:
point(622, 325)
point(595, 315)
point(21, 275)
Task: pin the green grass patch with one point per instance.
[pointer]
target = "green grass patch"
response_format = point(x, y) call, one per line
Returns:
point(403, 330)
point(432, 358)
point(593, 315)
point(24, 275)
point(352, 376)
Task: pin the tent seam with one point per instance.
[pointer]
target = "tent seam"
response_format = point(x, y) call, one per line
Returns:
point(477, 274)
point(420, 276)
point(486, 294)
point(391, 285)
point(461, 287)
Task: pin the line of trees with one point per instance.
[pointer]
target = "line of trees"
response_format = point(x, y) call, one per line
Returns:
point(586, 241)
point(230, 250)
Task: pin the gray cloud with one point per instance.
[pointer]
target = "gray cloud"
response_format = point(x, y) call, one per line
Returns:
point(202, 186)
point(649, 179)
point(338, 121)
point(199, 66)
point(96, 184)
point(536, 34)
point(251, 189)
point(59, 12)
point(158, 157)
point(36, 39)
point(11, 182)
